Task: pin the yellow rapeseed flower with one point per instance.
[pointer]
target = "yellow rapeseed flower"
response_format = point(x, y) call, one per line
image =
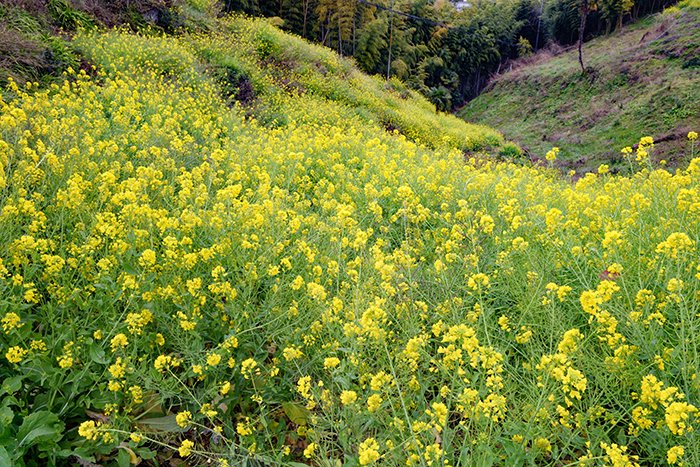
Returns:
point(185, 448)
point(10, 321)
point(16, 354)
point(368, 451)
point(348, 397)
point(183, 418)
point(119, 342)
point(675, 453)
point(331, 362)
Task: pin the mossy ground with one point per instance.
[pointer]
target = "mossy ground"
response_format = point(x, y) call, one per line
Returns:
point(644, 80)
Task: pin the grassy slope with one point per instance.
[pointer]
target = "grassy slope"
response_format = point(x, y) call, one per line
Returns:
point(29, 49)
point(273, 69)
point(245, 57)
point(646, 81)
point(311, 233)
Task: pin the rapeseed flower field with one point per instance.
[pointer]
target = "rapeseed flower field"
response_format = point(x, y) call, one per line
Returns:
point(181, 279)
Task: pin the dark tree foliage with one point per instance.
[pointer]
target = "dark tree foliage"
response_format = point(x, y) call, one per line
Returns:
point(446, 50)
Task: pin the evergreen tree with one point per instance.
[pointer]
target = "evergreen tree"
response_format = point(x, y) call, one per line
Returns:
point(584, 8)
point(371, 42)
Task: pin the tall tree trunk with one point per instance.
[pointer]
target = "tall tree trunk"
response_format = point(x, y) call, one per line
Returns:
point(326, 30)
point(306, 15)
point(539, 21)
point(353, 33)
point(478, 82)
point(581, 29)
point(391, 37)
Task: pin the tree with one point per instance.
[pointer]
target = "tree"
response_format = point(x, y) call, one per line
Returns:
point(433, 45)
point(252, 7)
point(441, 97)
point(584, 7)
point(294, 14)
point(614, 10)
point(370, 43)
point(561, 20)
point(524, 47)
point(470, 50)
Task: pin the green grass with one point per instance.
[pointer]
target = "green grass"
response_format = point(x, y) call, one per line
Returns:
point(28, 49)
point(232, 248)
point(281, 67)
point(35, 36)
point(645, 80)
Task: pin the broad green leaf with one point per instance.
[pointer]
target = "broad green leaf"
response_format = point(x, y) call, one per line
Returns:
point(97, 354)
point(123, 458)
point(145, 453)
point(11, 385)
point(296, 413)
point(5, 458)
point(127, 456)
point(6, 416)
point(6, 432)
point(165, 424)
point(40, 427)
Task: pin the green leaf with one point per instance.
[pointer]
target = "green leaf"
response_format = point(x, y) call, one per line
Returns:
point(151, 405)
point(40, 428)
point(84, 453)
point(145, 453)
point(97, 354)
point(5, 458)
point(6, 416)
point(165, 424)
point(11, 385)
point(6, 434)
point(296, 413)
point(123, 458)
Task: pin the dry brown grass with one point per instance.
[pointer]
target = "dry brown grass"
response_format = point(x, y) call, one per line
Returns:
point(542, 55)
point(20, 57)
point(34, 7)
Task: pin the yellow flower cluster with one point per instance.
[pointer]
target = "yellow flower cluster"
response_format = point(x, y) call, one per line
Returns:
point(617, 455)
point(560, 367)
point(369, 451)
point(10, 321)
point(655, 399)
point(290, 282)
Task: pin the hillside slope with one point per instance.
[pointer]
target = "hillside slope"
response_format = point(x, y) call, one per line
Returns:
point(231, 248)
point(254, 64)
point(645, 80)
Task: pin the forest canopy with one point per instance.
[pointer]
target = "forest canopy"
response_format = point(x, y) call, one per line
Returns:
point(447, 50)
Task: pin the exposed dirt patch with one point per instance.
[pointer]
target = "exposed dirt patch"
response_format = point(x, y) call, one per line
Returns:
point(21, 58)
point(235, 86)
point(246, 94)
point(389, 127)
point(88, 68)
point(36, 8)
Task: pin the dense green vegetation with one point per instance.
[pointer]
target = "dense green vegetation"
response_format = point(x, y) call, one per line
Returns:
point(645, 79)
point(445, 50)
point(224, 245)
